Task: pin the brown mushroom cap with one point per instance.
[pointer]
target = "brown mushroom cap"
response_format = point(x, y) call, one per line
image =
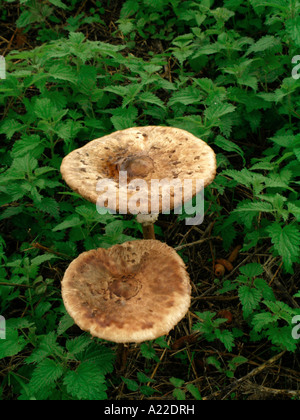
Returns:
point(132, 292)
point(148, 153)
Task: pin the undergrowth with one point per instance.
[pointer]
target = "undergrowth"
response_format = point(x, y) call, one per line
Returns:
point(226, 71)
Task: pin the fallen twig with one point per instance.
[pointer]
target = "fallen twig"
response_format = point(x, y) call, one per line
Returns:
point(228, 389)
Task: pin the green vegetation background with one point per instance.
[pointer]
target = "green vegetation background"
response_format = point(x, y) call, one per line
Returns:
point(228, 72)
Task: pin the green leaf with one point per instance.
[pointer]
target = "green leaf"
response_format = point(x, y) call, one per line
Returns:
point(293, 29)
point(286, 242)
point(179, 394)
point(247, 211)
point(176, 382)
point(12, 344)
point(282, 337)
point(226, 337)
point(78, 344)
point(28, 145)
point(250, 298)
point(71, 221)
point(64, 324)
point(46, 346)
point(229, 146)
point(295, 210)
point(59, 4)
point(194, 391)
point(148, 351)
point(266, 290)
point(45, 374)
point(9, 127)
point(126, 26)
point(263, 320)
point(252, 270)
point(215, 111)
point(280, 309)
point(101, 356)
point(129, 8)
point(114, 229)
point(143, 378)
point(86, 382)
point(264, 43)
point(42, 258)
point(48, 205)
point(11, 211)
point(151, 99)
point(44, 109)
point(131, 384)
point(62, 72)
point(186, 96)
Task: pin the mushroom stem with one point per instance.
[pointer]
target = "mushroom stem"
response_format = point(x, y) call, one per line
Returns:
point(147, 221)
point(148, 231)
point(121, 357)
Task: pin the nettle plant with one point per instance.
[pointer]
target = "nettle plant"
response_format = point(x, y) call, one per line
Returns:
point(221, 71)
point(272, 210)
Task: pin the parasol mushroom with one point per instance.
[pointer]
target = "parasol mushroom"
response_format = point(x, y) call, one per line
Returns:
point(119, 171)
point(132, 292)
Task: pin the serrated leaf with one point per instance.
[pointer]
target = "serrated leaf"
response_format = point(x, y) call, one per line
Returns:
point(9, 127)
point(215, 111)
point(247, 211)
point(286, 242)
point(266, 290)
point(186, 96)
point(250, 298)
point(194, 391)
point(101, 356)
point(129, 8)
point(71, 221)
point(150, 98)
point(179, 394)
point(264, 43)
point(126, 26)
point(229, 146)
point(263, 320)
point(295, 210)
point(297, 153)
point(131, 384)
point(44, 109)
point(11, 211)
point(48, 205)
point(42, 258)
point(282, 337)
point(59, 4)
point(45, 374)
point(226, 337)
point(62, 72)
point(148, 351)
point(46, 346)
point(143, 378)
point(176, 382)
point(293, 29)
point(244, 177)
point(252, 270)
point(12, 344)
point(86, 382)
point(78, 344)
point(28, 145)
point(64, 324)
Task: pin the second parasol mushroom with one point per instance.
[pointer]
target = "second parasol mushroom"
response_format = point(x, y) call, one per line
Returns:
point(132, 292)
point(116, 169)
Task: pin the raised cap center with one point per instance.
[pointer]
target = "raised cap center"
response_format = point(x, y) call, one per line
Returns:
point(136, 166)
point(125, 287)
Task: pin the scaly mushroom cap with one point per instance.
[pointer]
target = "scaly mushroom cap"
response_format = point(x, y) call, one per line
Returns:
point(147, 153)
point(132, 292)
